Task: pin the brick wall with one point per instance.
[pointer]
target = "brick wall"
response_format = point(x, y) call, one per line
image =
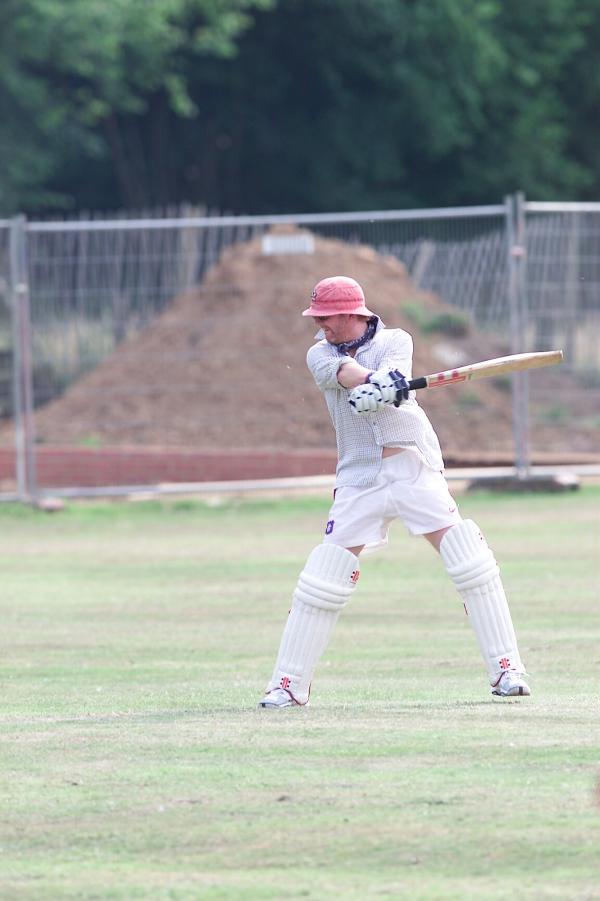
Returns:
point(62, 467)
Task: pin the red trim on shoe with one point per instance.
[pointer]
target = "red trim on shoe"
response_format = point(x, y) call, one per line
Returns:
point(288, 692)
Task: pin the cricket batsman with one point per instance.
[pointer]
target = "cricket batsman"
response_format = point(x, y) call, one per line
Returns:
point(389, 467)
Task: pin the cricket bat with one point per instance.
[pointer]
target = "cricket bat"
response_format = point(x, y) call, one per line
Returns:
point(488, 368)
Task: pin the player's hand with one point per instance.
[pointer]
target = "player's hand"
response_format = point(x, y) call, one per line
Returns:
point(392, 384)
point(366, 399)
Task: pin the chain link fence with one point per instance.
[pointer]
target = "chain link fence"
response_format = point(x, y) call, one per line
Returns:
point(77, 298)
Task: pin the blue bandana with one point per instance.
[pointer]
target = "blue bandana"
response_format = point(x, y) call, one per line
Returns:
point(370, 330)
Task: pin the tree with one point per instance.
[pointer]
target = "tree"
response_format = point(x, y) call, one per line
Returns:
point(296, 105)
point(580, 93)
point(359, 104)
point(79, 75)
point(525, 141)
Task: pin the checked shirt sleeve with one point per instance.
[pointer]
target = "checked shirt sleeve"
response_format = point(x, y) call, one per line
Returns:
point(324, 362)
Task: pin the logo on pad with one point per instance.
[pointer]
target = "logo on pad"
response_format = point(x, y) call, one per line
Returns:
point(505, 663)
point(329, 527)
point(354, 576)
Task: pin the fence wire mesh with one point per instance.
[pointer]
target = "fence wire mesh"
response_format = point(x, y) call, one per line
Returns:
point(97, 284)
point(563, 261)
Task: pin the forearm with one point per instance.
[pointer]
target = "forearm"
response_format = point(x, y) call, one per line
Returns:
point(352, 374)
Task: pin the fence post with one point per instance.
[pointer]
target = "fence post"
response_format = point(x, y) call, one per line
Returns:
point(571, 301)
point(22, 363)
point(517, 299)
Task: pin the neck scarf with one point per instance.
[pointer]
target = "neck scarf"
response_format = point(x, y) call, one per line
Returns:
point(345, 346)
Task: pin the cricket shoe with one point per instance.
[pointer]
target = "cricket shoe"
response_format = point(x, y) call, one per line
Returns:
point(279, 698)
point(510, 684)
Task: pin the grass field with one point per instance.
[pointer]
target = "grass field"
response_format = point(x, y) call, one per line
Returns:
point(137, 639)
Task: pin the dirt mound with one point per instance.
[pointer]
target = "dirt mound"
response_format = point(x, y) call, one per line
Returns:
point(224, 366)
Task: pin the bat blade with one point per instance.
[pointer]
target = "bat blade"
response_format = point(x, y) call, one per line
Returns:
point(488, 368)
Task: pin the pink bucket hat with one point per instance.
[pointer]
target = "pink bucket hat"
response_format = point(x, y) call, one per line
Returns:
point(338, 294)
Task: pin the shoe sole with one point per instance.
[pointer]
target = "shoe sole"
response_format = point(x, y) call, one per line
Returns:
point(519, 693)
point(276, 706)
point(265, 705)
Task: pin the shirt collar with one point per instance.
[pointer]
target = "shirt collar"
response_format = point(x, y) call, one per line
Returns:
point(380, 324)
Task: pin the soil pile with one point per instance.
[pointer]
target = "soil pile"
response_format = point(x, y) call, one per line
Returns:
point(224, 366)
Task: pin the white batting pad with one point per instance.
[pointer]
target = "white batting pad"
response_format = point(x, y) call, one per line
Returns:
point(472, 567)
point(324, 587)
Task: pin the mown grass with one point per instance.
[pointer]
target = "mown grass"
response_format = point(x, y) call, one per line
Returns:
point(136, 640)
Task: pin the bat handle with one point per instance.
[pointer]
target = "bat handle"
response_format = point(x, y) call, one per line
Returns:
point(417, 383)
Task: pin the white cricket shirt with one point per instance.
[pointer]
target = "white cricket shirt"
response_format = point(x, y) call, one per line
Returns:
point(361, 437)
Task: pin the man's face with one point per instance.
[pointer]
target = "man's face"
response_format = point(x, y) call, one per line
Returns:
point(341, 327)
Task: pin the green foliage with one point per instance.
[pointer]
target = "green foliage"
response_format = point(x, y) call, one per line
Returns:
point(90, 441)
point(589, 377)
point(258, 105)
point(74, 72)
point(459, 102)
point(554, 414)
point(469, 400)
point(448, 322)
point(502, 383)
point(526, 138)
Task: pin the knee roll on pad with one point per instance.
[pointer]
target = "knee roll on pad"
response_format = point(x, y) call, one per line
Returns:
point(328, 578)
point(467, 556)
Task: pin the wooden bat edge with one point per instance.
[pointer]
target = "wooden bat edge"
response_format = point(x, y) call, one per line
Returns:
point(551, 358)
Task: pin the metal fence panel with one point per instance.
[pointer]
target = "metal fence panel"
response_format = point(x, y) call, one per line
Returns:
point(94, 284)
point(96, 289)
point(563, 300)
point(563, 262)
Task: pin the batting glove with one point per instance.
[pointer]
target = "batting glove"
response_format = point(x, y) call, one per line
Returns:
point(392, 384)
point(366, 399)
